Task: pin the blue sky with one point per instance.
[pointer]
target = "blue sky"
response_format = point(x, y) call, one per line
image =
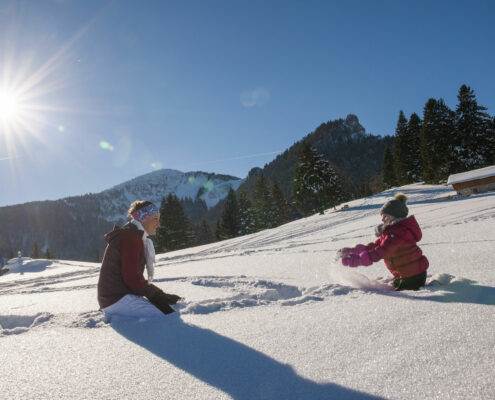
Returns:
point(115, 89)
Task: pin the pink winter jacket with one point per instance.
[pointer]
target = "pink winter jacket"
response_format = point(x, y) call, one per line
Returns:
point(397, 246)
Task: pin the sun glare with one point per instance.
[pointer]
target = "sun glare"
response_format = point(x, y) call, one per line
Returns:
point(31, 81)
point(24, 102)
point(10, 105)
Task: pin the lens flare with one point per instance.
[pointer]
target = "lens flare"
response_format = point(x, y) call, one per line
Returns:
point(208, 185)
point(157, 165)
point(191, 179)
point(106, 146)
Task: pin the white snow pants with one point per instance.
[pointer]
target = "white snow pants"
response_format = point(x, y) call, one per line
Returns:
point(131, 306)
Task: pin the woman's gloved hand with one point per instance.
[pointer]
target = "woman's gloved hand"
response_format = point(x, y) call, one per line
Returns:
point(161, 301)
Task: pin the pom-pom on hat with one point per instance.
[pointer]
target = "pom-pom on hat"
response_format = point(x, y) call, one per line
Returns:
point(396, 207)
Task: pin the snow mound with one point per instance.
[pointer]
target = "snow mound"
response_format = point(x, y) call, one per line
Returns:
point(440, 279)
point(17, 324)
point(26, 264)
point(448, 288)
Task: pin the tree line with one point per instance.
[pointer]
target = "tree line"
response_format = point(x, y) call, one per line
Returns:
point(444, 142)
point(317, 186)
point(35, 254)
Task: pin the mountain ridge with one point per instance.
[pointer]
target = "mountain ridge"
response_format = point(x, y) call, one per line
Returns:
point(73, 227)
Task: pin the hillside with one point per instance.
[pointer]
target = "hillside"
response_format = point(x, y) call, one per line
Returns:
point(73, 227)
point(353, 153)
point(270, 315)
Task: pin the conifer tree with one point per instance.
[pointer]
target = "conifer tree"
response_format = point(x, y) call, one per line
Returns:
point(11, 255)
point(263, 204)
point(281, 208)
point(246, 218)
point(490, 143)
point(203, 233)
point(36, 251)
point(471, 133)
point(400, 149)
point(388, 171)
point(48, 254)
point(436, 139)
point(218, 231)
point(413, 156)
point(175, 231)
point(364, 189)
point(316, 184)
point(407, 154)
point(230, 216)
point(306, 185)
point(333, 191)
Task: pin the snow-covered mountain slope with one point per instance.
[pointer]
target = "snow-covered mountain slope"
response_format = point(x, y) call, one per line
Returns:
point(158, 184)
point(73, 227)
point(270, 315)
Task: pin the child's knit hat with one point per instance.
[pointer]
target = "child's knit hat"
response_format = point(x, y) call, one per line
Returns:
point(396, 207)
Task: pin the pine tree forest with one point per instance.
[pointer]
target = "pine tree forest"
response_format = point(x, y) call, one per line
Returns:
point(445, 142)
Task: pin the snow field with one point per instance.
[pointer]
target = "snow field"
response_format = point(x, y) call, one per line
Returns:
point(271, 315)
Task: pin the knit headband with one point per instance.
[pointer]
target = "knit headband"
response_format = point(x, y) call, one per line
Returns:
point(145, 212)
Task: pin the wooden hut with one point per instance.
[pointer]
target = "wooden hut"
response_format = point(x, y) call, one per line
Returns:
point(475, 181)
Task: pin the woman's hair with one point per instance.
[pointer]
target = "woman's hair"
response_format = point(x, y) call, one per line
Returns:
point(137, 205)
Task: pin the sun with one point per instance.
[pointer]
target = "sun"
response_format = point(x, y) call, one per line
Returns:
point(10, 105)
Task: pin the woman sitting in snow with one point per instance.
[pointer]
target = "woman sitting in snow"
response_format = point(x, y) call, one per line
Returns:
point(122, 288)
point(396, 244)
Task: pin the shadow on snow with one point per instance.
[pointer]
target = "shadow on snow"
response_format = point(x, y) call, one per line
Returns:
point(457, 291)
point(23, 265)
point(230, 366)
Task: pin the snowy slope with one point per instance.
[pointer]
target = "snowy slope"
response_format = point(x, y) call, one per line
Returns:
point(156, 185)
point(271, 315)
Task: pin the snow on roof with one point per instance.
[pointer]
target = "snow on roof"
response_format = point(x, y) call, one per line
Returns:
point(472, 175)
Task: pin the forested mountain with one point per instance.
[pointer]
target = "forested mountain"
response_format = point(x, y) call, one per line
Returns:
point(354, 154)
point(73, 228)
point(343, 142)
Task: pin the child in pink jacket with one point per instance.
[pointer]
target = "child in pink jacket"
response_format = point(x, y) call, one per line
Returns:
point(396, 245)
